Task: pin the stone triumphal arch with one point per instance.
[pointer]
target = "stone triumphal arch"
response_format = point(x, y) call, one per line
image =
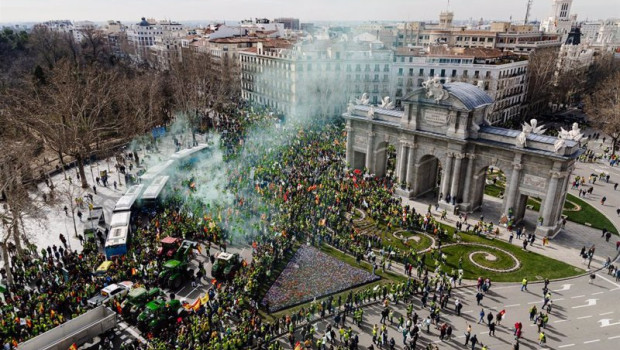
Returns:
point(444, 144)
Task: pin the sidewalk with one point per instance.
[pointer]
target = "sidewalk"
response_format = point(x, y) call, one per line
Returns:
point(566, 245)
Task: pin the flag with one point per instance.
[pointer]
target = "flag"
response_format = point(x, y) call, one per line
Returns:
point(205, 298)
point(298, 346)
point(52, 313)
point(134, 271)
point(199, 249)
point(197, 304)
point(73, 347)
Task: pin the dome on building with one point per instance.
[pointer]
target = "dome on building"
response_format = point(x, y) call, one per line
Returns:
point(144, 22)
point(470, 95)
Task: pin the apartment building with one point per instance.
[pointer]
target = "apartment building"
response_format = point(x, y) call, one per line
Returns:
point(501, 75)
point(141, 36)
point(314, 79)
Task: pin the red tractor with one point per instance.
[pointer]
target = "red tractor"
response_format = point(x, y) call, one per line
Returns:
point(169, 246)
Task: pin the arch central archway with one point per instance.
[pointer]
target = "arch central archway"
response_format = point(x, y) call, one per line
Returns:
point(428, 178)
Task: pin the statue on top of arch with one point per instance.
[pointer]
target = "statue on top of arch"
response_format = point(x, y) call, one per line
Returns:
point(363, 100)
point(434, 88)
point(531, 128)
point(573, 134)
point(386, 103)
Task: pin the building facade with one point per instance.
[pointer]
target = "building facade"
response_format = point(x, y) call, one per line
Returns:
point(502, 76)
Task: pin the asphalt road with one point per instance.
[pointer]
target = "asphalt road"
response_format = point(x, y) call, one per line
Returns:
point(584, 316)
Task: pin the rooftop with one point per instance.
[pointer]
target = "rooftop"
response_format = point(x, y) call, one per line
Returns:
point(470, 95)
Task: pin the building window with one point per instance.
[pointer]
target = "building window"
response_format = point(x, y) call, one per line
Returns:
point(421, 72)
point(432, 74)
point(453, 73)
point(400, 71)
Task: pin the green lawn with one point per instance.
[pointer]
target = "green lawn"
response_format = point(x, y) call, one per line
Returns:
point(504, 261)
point(532, 264)
point(589, 214)
point(493, 190)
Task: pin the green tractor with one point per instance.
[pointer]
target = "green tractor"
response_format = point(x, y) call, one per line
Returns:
point(136, 299)
point(225, 266)
point(174, 274)
point(158, 313)
point(176, 271)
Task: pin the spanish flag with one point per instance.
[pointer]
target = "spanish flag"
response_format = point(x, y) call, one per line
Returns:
point(298, 346)
point(205, 298)
point(199, 249)
point(197, 304)
point(73, 347)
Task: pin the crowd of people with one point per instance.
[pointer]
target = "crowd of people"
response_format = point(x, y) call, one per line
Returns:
point(274, 186)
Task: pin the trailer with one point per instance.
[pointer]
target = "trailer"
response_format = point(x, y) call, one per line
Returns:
point(76, 331)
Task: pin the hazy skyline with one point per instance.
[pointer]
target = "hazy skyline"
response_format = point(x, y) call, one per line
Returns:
point(313, 10)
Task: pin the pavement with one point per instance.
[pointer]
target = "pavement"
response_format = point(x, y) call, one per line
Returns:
point(581, 317)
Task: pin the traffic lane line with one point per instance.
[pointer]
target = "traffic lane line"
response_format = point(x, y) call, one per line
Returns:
point(606, 313)
point(565, 346)
point(597, 293)
point(591, 341)
point(559, 321)
point(605, 279)
point(577, 296)
point(512, 305)
point(614, 337)
point(582, 317)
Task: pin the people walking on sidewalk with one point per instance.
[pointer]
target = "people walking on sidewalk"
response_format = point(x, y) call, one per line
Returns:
point(524, 284)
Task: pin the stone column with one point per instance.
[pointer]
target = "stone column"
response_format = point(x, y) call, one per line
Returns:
point(402, 165)
point(512, 189)
point(410, 161)
point(456, 178)
point(447, 175)
point(547, 209)
point(370, 157)
point(349, 151)
point(468, 177)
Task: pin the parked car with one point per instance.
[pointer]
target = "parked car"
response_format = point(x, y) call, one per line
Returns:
point(113, 291)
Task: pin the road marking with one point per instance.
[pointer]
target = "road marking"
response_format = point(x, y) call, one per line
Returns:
point(578, 296)
point(606, 322)
point(559, 321)
point(468, 311)
point(590, 302)
point(558, 299)
point(605, 279)
point(606, 313)
point(591, 341)
point(582, 317)
point(564, 287)
point(615, 337)
point(125, 326)
point(512, 305)
point(597, 293)
point(566, 346)
point(534, 302)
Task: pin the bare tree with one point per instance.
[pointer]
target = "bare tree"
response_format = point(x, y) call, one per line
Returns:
point(603, 107)
point(541, 68)
point(73, 111)
point(16, 154)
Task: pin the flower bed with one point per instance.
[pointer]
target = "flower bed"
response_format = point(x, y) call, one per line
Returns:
point(312, 274)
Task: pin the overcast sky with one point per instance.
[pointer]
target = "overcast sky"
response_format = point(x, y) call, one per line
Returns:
point(306, 10)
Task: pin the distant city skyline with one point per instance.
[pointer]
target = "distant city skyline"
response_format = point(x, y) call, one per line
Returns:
point(131, 11)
